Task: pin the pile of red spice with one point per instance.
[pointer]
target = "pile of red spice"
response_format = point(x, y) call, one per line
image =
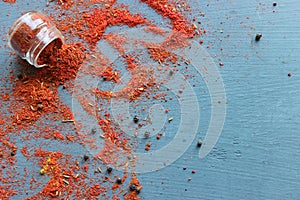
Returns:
point(36, 93)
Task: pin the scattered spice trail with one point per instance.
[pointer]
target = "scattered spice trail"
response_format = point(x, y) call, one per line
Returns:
point(170, 11)
point(35, 97)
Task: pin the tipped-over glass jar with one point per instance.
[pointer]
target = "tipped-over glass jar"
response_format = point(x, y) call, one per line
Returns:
point(31, 34)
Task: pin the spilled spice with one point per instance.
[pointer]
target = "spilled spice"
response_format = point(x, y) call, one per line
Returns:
point(170, 11)
point(36, 94)
point(37, 109)
point(49, 54)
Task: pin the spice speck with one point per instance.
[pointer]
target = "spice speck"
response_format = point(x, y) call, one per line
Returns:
point(135, 119)
point(85, 157)
point(258, 36)
point(109, 170)
point(119, 180)
point(199, 143)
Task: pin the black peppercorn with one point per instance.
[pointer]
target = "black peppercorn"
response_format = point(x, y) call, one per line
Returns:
point(12, 153)
point(119, 180)
point(274, 3)
point(199, 143)
point(135, 119)
point(85, 157)
point(258, 36)
point(109, 170)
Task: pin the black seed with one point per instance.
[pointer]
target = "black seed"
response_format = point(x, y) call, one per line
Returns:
point(12, 153)
point(274, 3)
point(119, 180)
point(258, 36)
point(85, 157)
point(199, 143)
point(132, 187)
point(109, 170)
point(135, 119)
point(184, 168)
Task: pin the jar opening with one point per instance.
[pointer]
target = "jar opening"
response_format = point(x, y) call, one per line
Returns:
point(48, 55)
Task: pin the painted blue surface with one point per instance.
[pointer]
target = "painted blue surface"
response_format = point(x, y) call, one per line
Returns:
point(258, 153)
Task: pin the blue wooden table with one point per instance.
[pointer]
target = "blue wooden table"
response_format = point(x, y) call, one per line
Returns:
point(257, 155)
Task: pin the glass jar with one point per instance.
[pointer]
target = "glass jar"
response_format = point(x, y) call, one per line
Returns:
point(31, 34)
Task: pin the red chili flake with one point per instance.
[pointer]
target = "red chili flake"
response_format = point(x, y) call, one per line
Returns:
point(5, 97)
point(109, 75)
point(103, 94)
point(10, 1)
point(95, 190)
point(148, 146)
point(58, 135)
point(158, 136)
point(25, 152)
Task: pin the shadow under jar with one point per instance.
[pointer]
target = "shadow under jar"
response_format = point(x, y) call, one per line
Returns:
point(33, 36)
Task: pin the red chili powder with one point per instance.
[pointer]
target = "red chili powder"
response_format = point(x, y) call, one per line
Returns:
point(166, 9)
point(36, 94)
point(97, 22)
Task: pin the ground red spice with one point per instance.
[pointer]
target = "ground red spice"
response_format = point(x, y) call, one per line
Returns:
point(49, 54)
point(36, 94)
point(101, 18)
point(110, 75)
point(169, 10)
